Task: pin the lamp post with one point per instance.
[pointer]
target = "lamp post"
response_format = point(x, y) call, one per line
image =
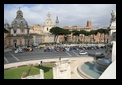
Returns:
point(28, 36)
point(28, 40)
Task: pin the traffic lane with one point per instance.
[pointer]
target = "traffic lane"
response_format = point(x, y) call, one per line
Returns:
point(10, 58)
point(39, 55)
point(93, 52)
point(45, 55)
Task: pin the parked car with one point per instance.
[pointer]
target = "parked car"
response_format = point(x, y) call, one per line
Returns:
point(18, 50)
point(28, 49)
point(82, 52)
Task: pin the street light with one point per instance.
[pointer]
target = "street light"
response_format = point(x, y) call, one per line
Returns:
point(28, 40)
point(28, 37)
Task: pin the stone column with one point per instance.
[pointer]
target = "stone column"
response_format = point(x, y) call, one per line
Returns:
point(41, 74)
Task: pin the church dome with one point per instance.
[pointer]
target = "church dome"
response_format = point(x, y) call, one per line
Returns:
point(6, 24)
point(19, 21)
point(48, 21)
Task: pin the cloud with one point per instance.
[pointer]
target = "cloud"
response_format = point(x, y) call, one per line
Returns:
point(68, 14)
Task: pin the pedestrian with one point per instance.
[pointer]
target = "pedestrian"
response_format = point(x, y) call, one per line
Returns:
point(40, 63)
point(60, 58)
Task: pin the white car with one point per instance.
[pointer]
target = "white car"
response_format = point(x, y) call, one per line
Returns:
point(82, 52)
point(18, 50)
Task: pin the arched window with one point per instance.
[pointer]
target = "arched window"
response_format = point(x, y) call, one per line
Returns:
point(14, 31)
point(47, 29)
point(14, 40)
point(21, 21)
point(22, 30)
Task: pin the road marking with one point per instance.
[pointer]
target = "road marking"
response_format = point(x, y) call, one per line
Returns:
point(6, 59)
point(68, 53)
point(75, 53)
point(14, 56)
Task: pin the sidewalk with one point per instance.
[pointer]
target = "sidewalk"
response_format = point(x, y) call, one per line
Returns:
point(74, 62)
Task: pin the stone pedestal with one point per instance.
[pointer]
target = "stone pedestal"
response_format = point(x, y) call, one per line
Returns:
point(114, 51)
point(62, 70)
point(41, 74)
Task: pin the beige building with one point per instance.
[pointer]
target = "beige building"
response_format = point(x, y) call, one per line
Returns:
point(41, 34)
point(36, 29)
point(74, 39)
point(48, 24)
point(37, 32)
point(88, 27)
point(19, 32)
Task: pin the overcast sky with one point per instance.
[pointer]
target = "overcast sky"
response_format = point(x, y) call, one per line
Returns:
point(68, 14)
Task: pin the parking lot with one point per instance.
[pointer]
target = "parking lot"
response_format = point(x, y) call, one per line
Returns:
point(37, 54)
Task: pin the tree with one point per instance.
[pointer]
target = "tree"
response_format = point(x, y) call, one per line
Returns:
point(76, 33)
point(56, 31)
point(84, 32)
point(93, 32)
point(100, 31)
point(65, 32)
point(105, 31)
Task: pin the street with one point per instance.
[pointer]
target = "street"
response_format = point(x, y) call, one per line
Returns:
point(11, 57)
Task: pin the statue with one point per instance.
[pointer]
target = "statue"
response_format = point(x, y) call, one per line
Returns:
point(113, 16)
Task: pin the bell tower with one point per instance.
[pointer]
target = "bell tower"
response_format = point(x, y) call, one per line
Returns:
point(57, 21)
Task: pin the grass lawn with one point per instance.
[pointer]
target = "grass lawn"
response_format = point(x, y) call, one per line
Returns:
point(15, 73)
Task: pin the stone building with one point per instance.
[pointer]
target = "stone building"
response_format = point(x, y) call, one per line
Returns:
point(19, 32)
point(74, 39)
point(48, 24)
point(7, 26)
point(88, 27)
point(36, 31)
point(41, 34)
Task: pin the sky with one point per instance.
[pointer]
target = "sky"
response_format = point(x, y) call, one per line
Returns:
point(68, 14)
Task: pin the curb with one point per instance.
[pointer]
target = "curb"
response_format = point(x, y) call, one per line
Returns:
point(17, 64)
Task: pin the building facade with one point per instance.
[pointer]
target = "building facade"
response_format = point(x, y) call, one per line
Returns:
point(74, 39)
point(36, 31)
point(19, 32)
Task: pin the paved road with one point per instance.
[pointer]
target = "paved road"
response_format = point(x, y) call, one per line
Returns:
point(11, 57)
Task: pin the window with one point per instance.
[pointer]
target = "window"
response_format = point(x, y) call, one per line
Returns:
point(47, 29)
point(14, 31)
point(21, 21)
point(22, 30)
point(28, 31)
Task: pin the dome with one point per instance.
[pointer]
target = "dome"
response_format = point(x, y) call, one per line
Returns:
point(6, 24)
point(19, 21)
point(48, 21)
